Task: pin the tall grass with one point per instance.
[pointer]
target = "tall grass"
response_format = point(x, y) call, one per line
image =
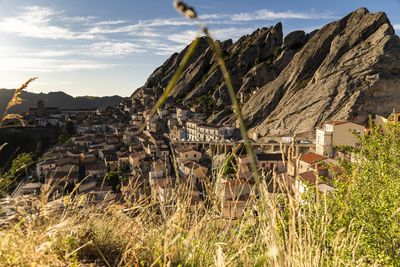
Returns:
point(149, 232)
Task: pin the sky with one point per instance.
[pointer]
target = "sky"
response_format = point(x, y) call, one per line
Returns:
point(110, 47)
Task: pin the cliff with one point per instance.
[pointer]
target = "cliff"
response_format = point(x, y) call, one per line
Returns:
point(348, 70)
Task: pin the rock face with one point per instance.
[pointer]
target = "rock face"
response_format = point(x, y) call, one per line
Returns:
point(349, 69)
point(253, 61)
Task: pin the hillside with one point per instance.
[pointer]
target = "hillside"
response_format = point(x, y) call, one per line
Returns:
point(56, 99)
point(348, 69)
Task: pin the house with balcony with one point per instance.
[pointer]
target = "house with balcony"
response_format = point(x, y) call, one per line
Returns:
point(191, 127)
point(214, 133)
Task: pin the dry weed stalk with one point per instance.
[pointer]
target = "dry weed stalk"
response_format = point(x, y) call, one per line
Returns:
point(14, 101)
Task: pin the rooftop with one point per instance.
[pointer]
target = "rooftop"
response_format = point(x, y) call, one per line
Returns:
point(309, 177)
point(312, 158)
point(337, 122)
point(269, 156)
point(185, 149)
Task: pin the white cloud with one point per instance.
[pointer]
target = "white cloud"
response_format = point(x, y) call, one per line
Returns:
point(162, 48)
point(231, 33)
point(37, 22)
point(396, 26)
point(41, 22)
point(141, 28)
point(38, 65)
point(99, 49)
point(185, 37)
point(266, 14)
point(110, 22)
point(76, 19)
point(47, 53)
point(115, 49)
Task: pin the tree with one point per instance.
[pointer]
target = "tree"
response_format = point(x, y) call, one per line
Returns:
point(70, 128)
point(114, 179)
point(67, 132)
point(19, 168)
point(369, 199)
point(21, 164)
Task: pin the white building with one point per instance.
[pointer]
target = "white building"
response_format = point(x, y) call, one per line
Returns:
point(191, 127)
point(200, 131)
point(337, 133)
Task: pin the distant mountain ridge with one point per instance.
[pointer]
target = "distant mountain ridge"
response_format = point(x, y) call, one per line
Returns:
point(56, 99)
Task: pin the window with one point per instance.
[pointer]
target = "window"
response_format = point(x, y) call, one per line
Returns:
point(194, 155)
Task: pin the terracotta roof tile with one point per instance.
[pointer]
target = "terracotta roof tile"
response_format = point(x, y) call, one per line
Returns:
point(312, 158)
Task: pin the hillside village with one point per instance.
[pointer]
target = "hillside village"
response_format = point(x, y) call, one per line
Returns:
point(115, 152)
point(120, 152)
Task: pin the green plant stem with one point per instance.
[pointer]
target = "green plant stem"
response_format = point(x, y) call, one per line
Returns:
point(235, 102)
point(175, 78)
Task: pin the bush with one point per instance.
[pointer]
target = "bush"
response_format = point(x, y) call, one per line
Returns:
point(369, 199)
point(19, 168)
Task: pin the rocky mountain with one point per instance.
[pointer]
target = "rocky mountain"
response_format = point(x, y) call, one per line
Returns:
point(348, 70)
point(55, 99)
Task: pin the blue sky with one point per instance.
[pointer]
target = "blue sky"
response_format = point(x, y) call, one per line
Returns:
point(105, 47)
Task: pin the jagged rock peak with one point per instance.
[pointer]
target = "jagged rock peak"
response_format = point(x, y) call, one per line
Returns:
point(347, 70)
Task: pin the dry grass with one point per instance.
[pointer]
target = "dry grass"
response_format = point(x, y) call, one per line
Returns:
point(14, 101)
point(148, 232)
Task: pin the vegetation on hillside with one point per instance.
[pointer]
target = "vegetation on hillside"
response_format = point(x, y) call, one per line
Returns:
point(19, 168)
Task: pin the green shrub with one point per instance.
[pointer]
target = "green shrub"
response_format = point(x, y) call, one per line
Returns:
point(369, 198)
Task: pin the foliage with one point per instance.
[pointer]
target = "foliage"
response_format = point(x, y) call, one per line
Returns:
point(370, 197)
point(114, 179)
point(345, 149)
point(19, 168)
point(207, 103)
point(67, 132)
point(229, 168)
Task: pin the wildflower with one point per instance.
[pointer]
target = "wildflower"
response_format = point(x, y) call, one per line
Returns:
point(184, 9)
